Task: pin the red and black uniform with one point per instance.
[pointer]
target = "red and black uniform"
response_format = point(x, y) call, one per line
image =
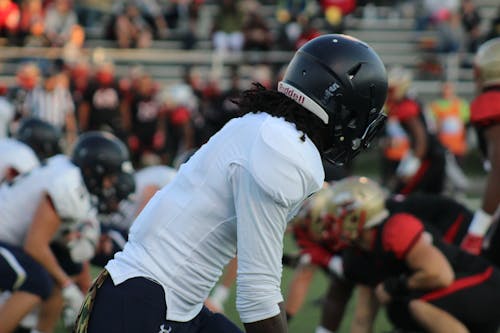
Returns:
point(449, 217)
point(104, 102)
point(485, 108)
point(476, 280)
point(485, 111)
point(430, 176)
point(145, 112)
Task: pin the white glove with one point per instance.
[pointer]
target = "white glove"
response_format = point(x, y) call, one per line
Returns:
point(81, 249)
point(73, 300)
point(408, 166)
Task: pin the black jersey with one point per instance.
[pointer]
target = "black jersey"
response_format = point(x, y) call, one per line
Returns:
point(449, 217)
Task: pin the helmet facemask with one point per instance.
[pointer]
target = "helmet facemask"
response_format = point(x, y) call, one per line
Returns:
point(109, 187)
point(351, 132)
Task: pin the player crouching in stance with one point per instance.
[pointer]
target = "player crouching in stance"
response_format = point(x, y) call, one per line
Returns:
point(43, 207)
point(425, 283)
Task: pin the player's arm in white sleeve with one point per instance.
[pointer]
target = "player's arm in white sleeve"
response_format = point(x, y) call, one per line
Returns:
point(261, 226)
point(45, 225)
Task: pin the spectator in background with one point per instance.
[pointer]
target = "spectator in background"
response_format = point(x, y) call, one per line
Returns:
point(153, 12)
point(471, 22)
point(335, 11)
point(449, 32)
point(131, 29)
point(102, 107)
point(52, 103)
point(145, 123)
point(227, 32)
point(9, 19)
point(32, 23)
point(60, 20)
point(183, 17)
point(289, 15)
point(308, 31)
point(256, 32)
point(494, 27)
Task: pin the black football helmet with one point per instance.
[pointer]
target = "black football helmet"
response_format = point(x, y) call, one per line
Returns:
point(344, 82)
point(41, 136)
point(123, 190)
point(100, 154)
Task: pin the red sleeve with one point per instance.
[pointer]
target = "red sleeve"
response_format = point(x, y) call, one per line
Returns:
point(485, 109)
point(405, 110)
point(400, 233)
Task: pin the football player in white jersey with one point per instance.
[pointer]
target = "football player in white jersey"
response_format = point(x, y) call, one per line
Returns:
point(15, 158)
point(236, 194)
point(114, 227)
point(45, 206)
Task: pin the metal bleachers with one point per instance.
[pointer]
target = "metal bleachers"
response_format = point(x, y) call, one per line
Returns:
point(392, 36)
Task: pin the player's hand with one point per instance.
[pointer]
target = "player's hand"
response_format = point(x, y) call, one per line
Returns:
point(317, 255)
point(73, 299)
point(408, 166)
point(382, 295)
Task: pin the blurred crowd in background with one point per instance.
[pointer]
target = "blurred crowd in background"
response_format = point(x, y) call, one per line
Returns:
point(81, 91)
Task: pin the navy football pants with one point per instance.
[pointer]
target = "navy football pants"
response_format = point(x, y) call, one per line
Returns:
point(138, 306)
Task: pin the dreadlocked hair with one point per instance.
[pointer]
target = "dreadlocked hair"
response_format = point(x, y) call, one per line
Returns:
point(259, 99)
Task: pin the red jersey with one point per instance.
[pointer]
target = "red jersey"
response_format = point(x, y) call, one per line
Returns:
point(485, 108)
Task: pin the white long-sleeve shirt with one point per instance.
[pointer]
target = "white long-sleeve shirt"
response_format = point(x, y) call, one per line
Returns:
point(235, 195)
point(63, 182)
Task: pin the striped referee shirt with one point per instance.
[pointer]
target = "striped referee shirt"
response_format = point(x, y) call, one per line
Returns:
point(51, 106)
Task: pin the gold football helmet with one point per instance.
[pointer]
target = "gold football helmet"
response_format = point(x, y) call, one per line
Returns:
point(487, 63)
point(356, 203)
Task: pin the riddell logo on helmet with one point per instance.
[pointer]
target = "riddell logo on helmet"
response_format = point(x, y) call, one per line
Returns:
point(291, 93)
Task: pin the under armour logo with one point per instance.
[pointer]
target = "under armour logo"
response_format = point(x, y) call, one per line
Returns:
point(163, 330)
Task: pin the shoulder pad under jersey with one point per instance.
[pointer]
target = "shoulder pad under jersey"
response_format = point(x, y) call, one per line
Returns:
point(17, 155)
point(67, 190)
point(287, 168)
point(158, 175)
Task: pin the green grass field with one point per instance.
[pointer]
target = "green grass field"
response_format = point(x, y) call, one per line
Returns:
point(308, 318)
